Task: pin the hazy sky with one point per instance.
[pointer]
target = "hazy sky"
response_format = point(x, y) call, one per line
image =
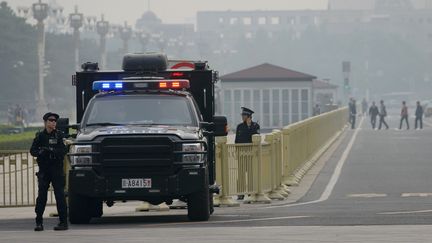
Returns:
point(172, 11)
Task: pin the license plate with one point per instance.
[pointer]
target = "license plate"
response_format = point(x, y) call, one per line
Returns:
point(136, 183)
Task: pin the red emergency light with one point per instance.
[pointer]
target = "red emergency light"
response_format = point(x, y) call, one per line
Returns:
point(177, 74)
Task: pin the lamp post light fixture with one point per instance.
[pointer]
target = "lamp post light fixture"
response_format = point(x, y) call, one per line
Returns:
point(40, 13)
point(102, 28)
point(76, 21)
point(125, 34)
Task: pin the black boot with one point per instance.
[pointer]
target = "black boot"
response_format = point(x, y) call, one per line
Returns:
point(39, 224)
point(39, 227)
point(61, 226)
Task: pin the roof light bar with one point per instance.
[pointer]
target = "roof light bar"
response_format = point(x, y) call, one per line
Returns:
point(115, 85)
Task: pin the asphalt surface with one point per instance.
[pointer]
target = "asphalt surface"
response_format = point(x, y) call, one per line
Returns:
point(376, 187)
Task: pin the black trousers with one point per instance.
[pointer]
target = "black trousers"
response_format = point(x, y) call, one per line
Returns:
point(373, 121)
point(419, 119)
point(51, 175)
point(352, 120)
point(382, 121)
point(404, 118)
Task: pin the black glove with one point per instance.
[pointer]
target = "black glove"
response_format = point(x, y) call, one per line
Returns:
point(46, 153)
point(43, 151)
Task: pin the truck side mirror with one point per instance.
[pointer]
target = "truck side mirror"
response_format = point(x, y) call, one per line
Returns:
point(75, 126)
point(63, 125)
point(220, 126)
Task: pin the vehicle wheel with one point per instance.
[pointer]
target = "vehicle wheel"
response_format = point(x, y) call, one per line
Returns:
point(79, 209)
point(198, 205)
point(211, 203)
point(96, 208)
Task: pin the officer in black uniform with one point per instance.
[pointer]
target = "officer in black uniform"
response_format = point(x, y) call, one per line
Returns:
point(244, 133)
point(49, 148)
point(247, 128)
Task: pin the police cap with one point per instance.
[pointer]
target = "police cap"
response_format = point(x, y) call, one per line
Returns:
point(47, 115)
point(247, 111)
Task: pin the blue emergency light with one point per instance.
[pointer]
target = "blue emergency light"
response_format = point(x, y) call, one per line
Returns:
point(108, 85)
point(116, 85)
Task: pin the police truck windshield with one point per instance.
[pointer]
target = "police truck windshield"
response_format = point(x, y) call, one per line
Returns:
point(140, 110)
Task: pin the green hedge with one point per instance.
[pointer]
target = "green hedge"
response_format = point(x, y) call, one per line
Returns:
point(17, 141)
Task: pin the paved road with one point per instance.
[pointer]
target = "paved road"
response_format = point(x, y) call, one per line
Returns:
point(376, 187)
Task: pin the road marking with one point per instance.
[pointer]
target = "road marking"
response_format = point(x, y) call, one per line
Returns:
point(367, 195)
point(233, 215)
point(224, 221)
point(338, 170)
point(406, 212)
point(333, 180)
point(420, 194)
point(258, 219)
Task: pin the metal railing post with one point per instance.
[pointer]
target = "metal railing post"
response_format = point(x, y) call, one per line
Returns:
point(259, 196)
point(224, 198)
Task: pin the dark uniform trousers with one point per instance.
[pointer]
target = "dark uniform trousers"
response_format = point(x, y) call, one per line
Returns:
point(52, 175)
point(50, 151)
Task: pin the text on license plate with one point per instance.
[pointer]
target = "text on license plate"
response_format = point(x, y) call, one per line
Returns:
point(136, 183)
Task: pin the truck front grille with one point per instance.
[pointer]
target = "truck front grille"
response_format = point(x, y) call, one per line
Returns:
point(137, 155)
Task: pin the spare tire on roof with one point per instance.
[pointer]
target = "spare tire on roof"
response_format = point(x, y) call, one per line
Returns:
point(145, 62)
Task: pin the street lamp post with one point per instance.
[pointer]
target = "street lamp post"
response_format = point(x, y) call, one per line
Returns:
point(102, 28)
point(346, 72)
point(40, 13)
point(125, 34)
point(76, 22)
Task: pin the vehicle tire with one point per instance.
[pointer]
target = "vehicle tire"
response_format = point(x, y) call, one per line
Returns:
point(198, 205)
point(96, 208)
point(211, 203)
point(79, 209)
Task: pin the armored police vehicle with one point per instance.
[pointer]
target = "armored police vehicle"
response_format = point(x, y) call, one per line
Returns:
point(145, 133)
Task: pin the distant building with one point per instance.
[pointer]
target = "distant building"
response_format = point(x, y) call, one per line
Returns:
point(152, 24)
point(379, 4)
point(279, 96)
point(410, 19)
point(324, 93)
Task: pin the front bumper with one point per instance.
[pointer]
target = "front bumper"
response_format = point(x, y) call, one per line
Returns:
point(84, 181)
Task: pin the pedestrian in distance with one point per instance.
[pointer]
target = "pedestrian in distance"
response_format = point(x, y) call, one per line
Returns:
point(404, 115)
point(419, 116)
point(49, 149)
point(373, 113)
point(364, 107)
point(382, 115)
point(317, 110)
point(353, 113)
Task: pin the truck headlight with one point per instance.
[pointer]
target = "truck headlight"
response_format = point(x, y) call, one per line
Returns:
point(84, 159)
point(193, 147)
point(81, 160)
point(81, 149)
